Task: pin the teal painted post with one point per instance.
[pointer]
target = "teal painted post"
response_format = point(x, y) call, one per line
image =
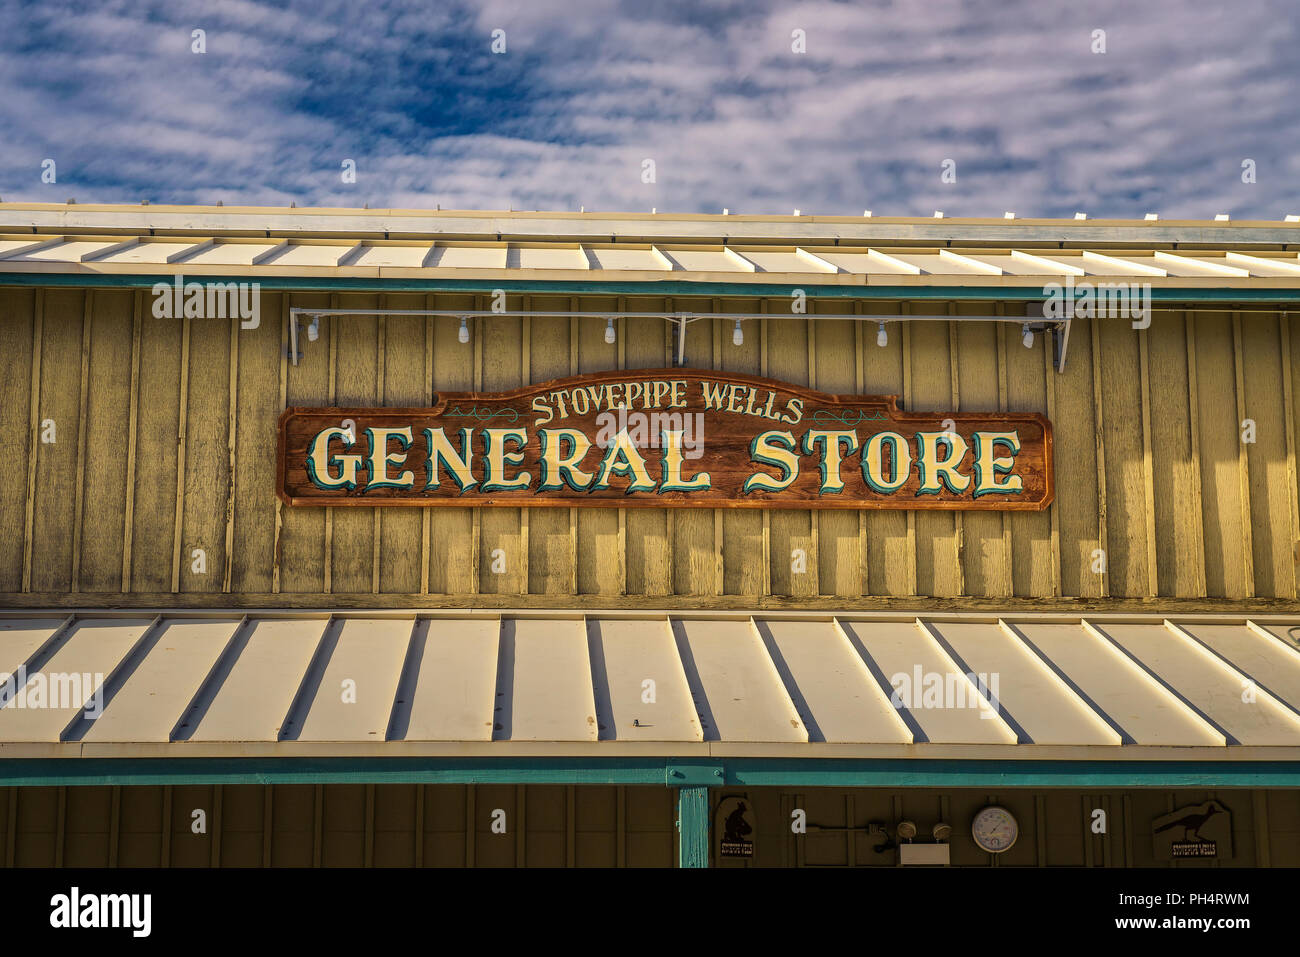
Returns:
point(693, 827)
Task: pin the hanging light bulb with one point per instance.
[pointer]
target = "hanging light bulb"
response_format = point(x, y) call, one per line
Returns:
point(882, 337)
point(1027, 336)
point(313, 329)
point(609, 331)
point(737, 335)
point(463, 335)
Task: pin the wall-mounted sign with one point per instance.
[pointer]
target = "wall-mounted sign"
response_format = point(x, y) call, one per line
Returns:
point(1198, 830)
point(734, 826)
point(668, 437)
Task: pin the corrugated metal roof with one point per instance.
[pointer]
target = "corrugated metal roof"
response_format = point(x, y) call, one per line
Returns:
point(594, 247)
point(190, 684)
point(593, 262)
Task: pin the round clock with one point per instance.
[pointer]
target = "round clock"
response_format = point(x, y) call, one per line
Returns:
point(995, 829)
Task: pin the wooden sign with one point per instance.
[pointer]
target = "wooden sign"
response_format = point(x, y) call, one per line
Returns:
point(665, 437)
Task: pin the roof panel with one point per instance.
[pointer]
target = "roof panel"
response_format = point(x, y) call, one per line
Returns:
point(254, 699)
point(927, 685)
point(309, 254)
point(629, 257)
point(1261, 654)
point(1117, 688)
point(21, 637)
point(56, 691)
point(833, 691)
point(229, 254)
point(694, 259)
point(629, 653)
point(156, 694)
point(448, 256)
point(1203, 680)
point(548, 695)
point(1031, 693)
point(68, 252)
point(455, 691)
point(411, 256)
point(355, 699)
point(741, 689)
point(155, 253)
point(543, 257)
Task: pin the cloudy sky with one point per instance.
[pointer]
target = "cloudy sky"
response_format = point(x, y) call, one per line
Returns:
point(714, 93)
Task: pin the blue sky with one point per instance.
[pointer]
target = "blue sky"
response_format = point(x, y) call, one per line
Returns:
point(1034, 121)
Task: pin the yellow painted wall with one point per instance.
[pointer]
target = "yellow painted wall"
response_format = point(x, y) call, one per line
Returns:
point(1150, 466)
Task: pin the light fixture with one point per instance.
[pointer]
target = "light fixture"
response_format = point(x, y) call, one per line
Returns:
point(1027, 336)
point(942, 832)
point(882, 337)
point(906, 830)
point(609, 331)
point(463, 335)
point(313, 328)
point(738, 335)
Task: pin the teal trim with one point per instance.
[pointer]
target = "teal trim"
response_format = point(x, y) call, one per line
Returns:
point(660, 772)
point(674, 287)
point(693, 827)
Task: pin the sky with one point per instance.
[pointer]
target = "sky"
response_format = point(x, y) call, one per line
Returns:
point(973, 108)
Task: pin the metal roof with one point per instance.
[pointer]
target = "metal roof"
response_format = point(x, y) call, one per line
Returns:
point(630, 248)
point(366, 683)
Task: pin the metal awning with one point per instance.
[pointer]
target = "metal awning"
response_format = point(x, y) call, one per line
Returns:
point(609, 684)
point(809, 263)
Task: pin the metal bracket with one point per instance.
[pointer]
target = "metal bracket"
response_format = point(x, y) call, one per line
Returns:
point(682, 774)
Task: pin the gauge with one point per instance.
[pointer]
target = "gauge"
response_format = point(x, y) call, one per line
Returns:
point(995, 829)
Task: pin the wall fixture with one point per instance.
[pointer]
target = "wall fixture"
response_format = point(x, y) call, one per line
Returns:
point(610, 335)
point(882, 337)
point(738, 335)
point(463, 335)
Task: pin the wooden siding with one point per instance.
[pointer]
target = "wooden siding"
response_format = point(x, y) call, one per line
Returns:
point(414, 825)
point(165, 448)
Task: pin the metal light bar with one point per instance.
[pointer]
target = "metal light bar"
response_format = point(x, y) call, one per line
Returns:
point(1060, 329)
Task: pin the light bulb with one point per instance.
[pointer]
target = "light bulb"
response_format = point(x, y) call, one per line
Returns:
point(609, 331)
point(738, 335)
point(313, 328)
point(463, 335)
point(1027, 337)
point(882, 337)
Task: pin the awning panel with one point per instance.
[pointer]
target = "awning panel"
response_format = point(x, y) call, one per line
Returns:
point(648, 695)
point(1139, 707)
point(455, 688)
point(252, 702)
point(1030, 694)
point(940, 702)
point(190, 683)
point(165, 682)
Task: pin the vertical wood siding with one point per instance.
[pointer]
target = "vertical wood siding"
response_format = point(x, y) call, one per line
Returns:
point(165, 445)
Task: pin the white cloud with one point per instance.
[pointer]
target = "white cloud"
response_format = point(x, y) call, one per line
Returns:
point(1035, 121)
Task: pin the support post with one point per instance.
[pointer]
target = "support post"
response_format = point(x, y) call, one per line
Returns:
point(693, 827)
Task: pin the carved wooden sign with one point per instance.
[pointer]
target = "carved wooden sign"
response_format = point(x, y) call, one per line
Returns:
point(665, 437)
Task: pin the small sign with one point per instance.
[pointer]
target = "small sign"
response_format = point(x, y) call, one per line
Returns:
point(735, 828)
point(1195, 831)
point(664, 438)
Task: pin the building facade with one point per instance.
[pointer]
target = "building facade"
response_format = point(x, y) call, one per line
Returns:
point(1131, 644)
